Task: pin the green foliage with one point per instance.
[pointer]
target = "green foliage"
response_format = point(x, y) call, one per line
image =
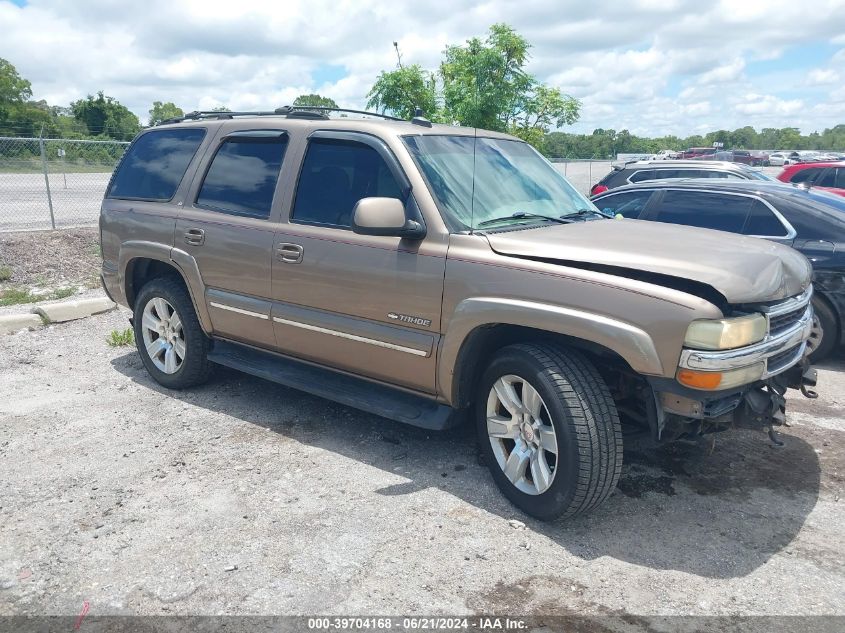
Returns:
point(221, 108)
point(314, 100)
point(5, 273)
point(608, 143)
point(163, 111)
point(13, 87)
point(106, 116)
point(482, 83)
point(14, 296)
point(118, 338)
point(403, 90)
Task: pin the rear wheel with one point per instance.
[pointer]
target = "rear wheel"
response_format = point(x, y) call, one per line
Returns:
point(825, 335)
point(172, 345)
point(549, 430)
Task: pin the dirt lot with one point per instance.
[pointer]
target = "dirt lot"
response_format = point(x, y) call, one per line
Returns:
point(244, 497)
point(48, 264)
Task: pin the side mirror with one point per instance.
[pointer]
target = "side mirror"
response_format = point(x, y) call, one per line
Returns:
point(384, 216)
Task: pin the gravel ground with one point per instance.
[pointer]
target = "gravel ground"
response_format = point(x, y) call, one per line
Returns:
point(243, 497)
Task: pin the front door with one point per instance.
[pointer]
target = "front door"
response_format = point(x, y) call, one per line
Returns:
point(366, 304)
point(226, 227)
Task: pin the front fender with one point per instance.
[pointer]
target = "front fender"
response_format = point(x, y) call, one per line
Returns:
point(630, 342)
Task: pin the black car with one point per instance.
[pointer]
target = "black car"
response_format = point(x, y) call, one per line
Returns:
point(643, 170)
point(809, 220)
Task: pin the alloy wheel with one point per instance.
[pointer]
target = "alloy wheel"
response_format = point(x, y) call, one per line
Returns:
point(521, 434)
point(164, 339)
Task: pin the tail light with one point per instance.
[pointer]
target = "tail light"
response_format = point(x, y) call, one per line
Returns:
point(597, 189)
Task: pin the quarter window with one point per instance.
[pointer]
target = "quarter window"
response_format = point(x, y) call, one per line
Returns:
point(335, 175)
point(762, 222)
point(704, 210)
point(242, 177)
point(155, 164)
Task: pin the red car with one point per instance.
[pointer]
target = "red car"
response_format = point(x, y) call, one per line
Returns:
point(827, 176)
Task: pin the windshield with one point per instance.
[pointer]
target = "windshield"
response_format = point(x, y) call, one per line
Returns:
point(513, 182)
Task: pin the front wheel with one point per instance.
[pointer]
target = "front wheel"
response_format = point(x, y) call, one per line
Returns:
point(172, 345)
point(548, 430)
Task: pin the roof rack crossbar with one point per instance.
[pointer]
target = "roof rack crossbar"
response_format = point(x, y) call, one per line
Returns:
point(283, 111)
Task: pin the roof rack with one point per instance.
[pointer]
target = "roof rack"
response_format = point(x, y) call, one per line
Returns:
point(290, 112)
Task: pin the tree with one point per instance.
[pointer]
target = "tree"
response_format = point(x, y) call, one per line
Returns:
point(482, 83)
point(163, 111)
point(106, 116)
point(403, 90)
point(314, 100)
point(13, 87)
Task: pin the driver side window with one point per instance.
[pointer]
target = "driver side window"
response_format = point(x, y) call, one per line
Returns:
point(335, 175)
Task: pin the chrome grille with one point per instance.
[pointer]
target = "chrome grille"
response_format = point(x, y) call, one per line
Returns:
point(780, 323)
point(783, 359)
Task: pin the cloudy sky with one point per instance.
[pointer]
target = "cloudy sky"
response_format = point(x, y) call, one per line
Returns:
point(651, 66)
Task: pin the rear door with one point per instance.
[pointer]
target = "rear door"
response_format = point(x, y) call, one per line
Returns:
point(227, 226)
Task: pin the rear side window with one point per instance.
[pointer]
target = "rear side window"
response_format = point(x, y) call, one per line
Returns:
point(833, 177)
point(764, 223)
point(242, 177)
point(639, 176)
point(629, 204)
point(705, 210)
point(335, 175)
point(155, 164)
point(805, 175)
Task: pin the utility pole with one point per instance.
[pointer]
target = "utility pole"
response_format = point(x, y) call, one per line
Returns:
point(398, 54)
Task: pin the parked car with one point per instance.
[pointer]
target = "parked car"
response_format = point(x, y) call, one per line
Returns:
point(698, 152)
point(829, 176)
point(429, 274)
point(778, 159)
point(812, 222)
point(667, 154)
point(740, 156)
point(643, 170)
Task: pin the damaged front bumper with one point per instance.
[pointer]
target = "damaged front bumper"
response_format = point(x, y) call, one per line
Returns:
point(681, 411)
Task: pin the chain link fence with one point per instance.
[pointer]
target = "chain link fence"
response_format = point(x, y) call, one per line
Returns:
point(583, 173)
point(48, 183)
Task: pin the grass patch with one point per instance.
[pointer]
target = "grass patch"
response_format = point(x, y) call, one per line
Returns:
point(15, 296)
point(5, 273)
point(117, 338)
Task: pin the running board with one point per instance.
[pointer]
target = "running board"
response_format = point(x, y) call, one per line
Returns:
point(341, 388)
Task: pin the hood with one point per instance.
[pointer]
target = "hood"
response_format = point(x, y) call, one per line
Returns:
point(741, 269)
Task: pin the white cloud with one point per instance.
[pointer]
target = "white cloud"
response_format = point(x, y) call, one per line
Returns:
point(651, 66)
point(822, 77)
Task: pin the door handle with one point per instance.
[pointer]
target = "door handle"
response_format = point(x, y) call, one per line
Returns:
point(289, 253)
point(194, 236)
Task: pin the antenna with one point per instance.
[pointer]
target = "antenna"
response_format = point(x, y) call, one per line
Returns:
point(398, 54)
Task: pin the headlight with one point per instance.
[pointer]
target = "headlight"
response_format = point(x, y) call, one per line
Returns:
point(712, 380)
point(726, 333)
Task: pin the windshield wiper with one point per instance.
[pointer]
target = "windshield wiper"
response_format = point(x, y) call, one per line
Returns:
point(518, 215)
point(580, 213)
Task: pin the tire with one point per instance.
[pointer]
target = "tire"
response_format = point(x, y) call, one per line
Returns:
point(826, 334)
point(180, 359)
point(576, 412)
